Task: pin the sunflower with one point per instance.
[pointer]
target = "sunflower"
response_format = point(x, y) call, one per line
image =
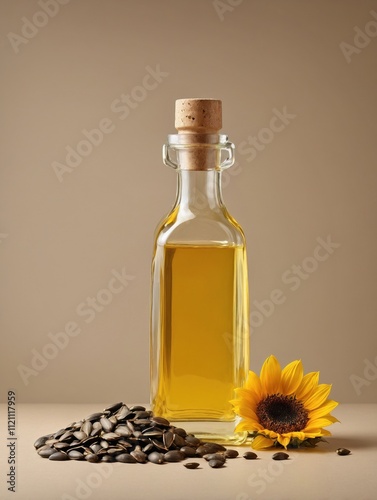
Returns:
point(284, 407)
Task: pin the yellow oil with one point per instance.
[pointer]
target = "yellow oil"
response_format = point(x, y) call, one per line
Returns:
point(203, 346)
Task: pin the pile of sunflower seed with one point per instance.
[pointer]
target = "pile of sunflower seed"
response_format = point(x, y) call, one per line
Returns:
point(130, 435)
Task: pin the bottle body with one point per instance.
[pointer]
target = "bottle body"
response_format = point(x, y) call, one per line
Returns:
point(200, 311)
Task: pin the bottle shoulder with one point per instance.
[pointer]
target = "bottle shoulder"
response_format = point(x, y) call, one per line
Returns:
point(204, 227)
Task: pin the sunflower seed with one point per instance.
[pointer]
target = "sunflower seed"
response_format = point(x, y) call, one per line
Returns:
point(80, 435)
point(122, 430)
point(142, 422)
point(216, 464)
point(61, 446)
point(59, 433)
point(180, 432)
point(152, 432)
point(191, 465)
point(343, 451)
point(113, 408)
point(126, 458)
point(94, 417)
point(141, 415)
point(174, 456)
point(96, 431)
point(188, 451)
point(130, 426)
point(81, 449)
point(231, 454)
point(75, 455)
point(192, 440)
point(67, 435)
point(58, 456)
point(137, 408)
point(156, 458)
point(161, 421)
point(139, 455)
point(147, 448)
point(90, 440)
point(200, 451)
point(41, 441)
point(250, 455)
point(280, 455)
point(107, 426)
point(107, 458)
point(125, 414)
point(46, 451)
point(87, 427)
point(113, 450)
point(168, 438)
point(214, 456)
point(92, 457)
point(110, 436)
point(179, 440)
point(214, 447)
point(125, 444)
point(158, 444)
point(102, 452)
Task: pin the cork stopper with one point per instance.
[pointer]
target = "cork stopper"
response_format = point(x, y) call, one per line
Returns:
point(198, 116)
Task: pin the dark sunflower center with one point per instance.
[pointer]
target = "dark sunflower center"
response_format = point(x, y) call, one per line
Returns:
point(282, 414)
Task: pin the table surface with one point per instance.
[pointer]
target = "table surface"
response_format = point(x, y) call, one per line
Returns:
point(316, 474)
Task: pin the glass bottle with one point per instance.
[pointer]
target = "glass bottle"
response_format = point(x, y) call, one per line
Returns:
point(199, 339)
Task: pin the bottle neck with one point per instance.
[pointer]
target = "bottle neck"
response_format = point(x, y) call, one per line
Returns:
point(197, 158)
point(199, 191)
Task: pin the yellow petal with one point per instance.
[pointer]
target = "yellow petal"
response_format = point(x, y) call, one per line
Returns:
point(325, 432)
point(247, 395)
point(270, 434)
point(247, 412)
point(261, 442)
point(308, 384)
point(332, 419)
point(318, 397)
point(299, 435)
point(284, 440)
point(291, 377)
point(313, 434)
point(321, 422)
point(254, 385)
point(323, 410)
point(317, 432)
point(247, 425)
point(270, 376)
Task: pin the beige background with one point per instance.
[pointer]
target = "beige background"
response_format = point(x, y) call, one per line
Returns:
point(60, 242)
